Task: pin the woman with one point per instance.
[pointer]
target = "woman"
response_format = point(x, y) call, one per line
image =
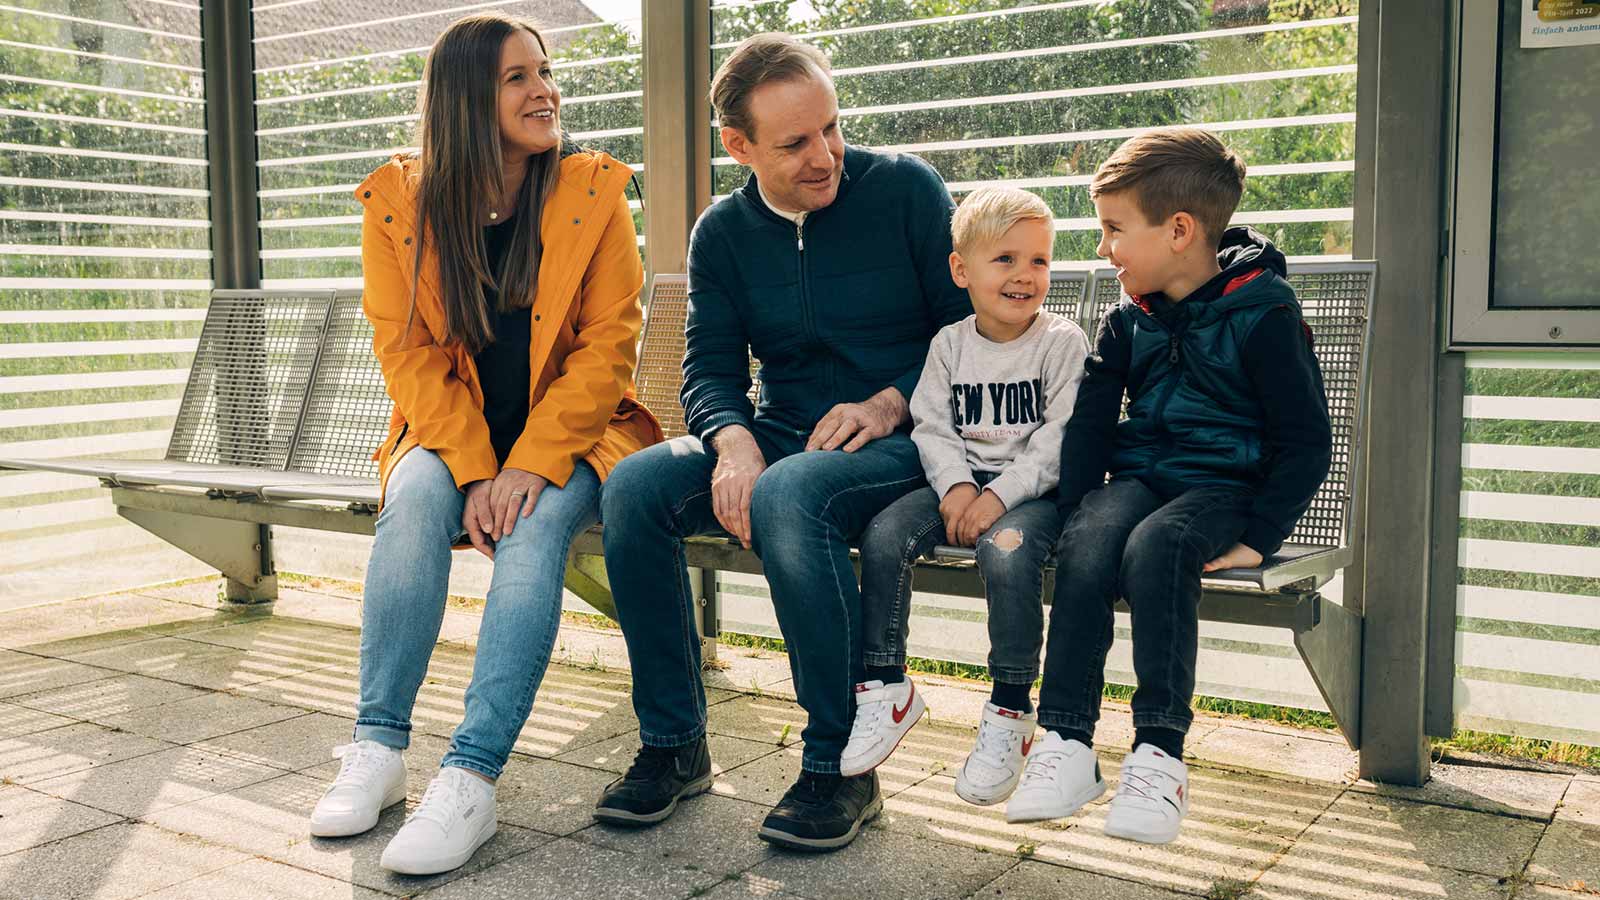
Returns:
point(502, 280)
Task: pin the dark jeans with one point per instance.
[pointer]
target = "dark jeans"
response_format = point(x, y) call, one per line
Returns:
point(1012, 568)
point(1124, 540)
point(804, 512)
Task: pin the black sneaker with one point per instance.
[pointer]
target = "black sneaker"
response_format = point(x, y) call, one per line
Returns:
point(823, 812)
point(657, 780)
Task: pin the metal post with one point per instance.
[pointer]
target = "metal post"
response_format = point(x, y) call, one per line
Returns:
point(1439, 707)
point(229, 55)
point(677, 127)
point(1408, 144)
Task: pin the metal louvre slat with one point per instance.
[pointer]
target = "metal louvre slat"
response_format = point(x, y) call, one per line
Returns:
point(247, 385)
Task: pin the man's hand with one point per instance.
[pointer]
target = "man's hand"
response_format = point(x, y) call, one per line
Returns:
point(739, 464)
point(1238, 557)
point(979, 517)
point(955, 502)
point(478, 516)
point(513, 496)
point(854, 425)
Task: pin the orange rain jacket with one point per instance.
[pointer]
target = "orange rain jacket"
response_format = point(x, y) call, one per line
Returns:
point(583, 347)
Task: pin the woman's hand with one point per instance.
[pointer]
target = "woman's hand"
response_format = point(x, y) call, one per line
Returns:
point(513, 496)
point(1238, 556)
point(478, 518)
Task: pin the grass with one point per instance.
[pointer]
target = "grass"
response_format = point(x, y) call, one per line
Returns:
point(1518, 748)
point(1227, 889)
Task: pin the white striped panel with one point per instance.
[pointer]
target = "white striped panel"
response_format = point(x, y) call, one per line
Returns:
point(361, 57)
point(310, 222)
point(80, 20)
point(103, 187)
point(1538, 607)
point(957, 187)
point(931, 20)
point(441, 10)
point(1537, 711)
point(22, 484)
point(92, 445)
point(105, 57)
point(82, 381)
point(101, 154)
point(1539, 409)
point(1528, 655)
point(334, 157)
point(27, 518)
point(21, 215)
point(106, 123)
point(312, 284)
point(1576, 460)
point(383, 87)
point(1514, 360)
point(1106, 134)
point(311, 253)
point(100, 89)
point(607, 132)
point(1530, 508)
point(112, 252)
point(1254, 217)
point(105, 284)
point(1091, 46)
point(93, 412)
point(330, 126)
point(309, 191)
point(48, 349)
point(595, 61)
point(1538, 559)
point(30, 316)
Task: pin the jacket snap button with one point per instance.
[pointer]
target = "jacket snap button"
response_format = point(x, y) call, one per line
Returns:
point(591, 192)
point(366, 195)
point(536, 317)
point(408, 240)
point(388, 218)
point(576, 221)
point(605, 165)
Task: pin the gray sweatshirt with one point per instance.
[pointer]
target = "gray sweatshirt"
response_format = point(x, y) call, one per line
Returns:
point(999, 409)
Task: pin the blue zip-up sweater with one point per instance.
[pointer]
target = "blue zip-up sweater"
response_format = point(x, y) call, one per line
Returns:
point(1222, 388)
point(835, 311)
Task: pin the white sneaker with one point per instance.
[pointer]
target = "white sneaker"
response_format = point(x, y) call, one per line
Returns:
point(993, 768)
point(1152, 797)
point(1060, 778)
point(371, 779)
point(456, 816)
point(884, 713)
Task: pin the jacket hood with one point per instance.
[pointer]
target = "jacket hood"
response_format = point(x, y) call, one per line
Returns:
point(1243, 248)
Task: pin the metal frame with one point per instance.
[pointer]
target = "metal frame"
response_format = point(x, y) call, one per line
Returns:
point(226, 30)
point(677, 126)
point(1474, 322)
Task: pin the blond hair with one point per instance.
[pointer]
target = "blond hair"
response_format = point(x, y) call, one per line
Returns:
point(986, 214)
point(759, 59)
point(1171, 170)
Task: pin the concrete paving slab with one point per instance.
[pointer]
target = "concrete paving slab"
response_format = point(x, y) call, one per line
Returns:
point(29, 818)
point(98, 615)
point(293, 744)
point(617, 754)
point(1426, 835)
point(1568, 856)
point(269, 819)
point(567, 868)
point(1501, 791)
point(145, 784)
point(16, 721)
point(199, 664)
point(749, 887)
point(1581, 804)
point(1334, 865)
point(314, 642)
point(757, 718)
point(117, 862)
point(553, 797)
point(198, 718)
point(765, 780)
point(1276, 752)
point(104, 698)
point(880, 865)
point(66, 647)
point(710, 833)
point(59, 751)
point(746, 668)
point(23, 673)
point(263, 879)
point(1031, 881)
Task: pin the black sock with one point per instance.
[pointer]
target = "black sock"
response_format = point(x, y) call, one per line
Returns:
point(1072, 734)
point(1167, 740)
point(886, 674)
point(1012, 696)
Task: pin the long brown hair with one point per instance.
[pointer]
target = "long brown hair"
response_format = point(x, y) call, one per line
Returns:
point(458, 129)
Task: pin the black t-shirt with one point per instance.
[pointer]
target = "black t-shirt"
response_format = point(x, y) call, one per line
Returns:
point(503, 364)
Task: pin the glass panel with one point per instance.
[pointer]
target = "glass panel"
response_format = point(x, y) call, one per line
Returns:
point(1546, 212)
point(337, 87)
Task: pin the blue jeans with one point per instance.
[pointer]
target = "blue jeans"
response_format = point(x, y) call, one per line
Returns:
point(407, 579)
point(1012, 566)
point(1126, 540)
point(804, 511)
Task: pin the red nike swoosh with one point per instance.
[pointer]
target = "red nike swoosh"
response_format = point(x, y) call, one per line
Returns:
point(1026, 746)
point(900, 712)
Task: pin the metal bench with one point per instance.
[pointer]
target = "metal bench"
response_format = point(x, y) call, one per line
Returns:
point(285, 403)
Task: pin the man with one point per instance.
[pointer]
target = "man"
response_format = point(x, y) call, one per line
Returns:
point(830, 266)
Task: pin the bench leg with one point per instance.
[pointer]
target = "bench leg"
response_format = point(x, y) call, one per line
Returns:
point(586, 577)
point(1331, 648)
point(708, 623)
point(241, 551)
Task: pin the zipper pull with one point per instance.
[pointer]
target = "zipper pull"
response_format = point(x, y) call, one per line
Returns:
point(1172, 344)
point(800, 237)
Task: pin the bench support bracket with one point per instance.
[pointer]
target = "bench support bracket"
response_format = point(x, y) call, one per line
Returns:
point(1331, 648)
point(241, 551)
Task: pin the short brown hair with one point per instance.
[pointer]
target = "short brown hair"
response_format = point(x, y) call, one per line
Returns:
point(989, 212)
point(1174, 170)
point(760, 58)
